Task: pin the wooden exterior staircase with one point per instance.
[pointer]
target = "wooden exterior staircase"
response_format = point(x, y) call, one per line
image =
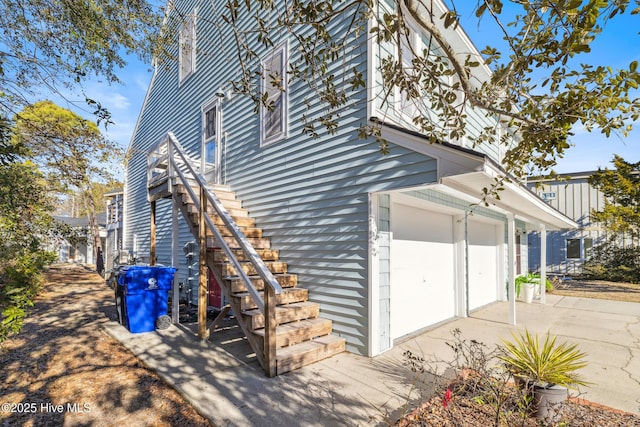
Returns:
point(281, 325)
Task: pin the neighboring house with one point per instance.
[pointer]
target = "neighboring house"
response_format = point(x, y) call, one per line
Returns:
point(79, 252)
point(114, 228)
point(386, 245)
point(572, 195)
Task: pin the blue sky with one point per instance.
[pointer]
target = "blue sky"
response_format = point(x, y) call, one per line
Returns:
point(618, 46)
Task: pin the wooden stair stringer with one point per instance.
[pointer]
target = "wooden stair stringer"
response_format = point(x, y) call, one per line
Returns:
point(256, 344)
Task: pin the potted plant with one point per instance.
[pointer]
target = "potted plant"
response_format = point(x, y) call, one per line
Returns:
point(547, 369)
point(529, 285)
point(525, 285)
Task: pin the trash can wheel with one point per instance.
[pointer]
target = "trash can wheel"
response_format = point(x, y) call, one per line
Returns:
point(163, 322)
point(120, 308)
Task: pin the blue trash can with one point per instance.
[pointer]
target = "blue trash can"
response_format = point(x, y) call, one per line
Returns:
point(145, 292)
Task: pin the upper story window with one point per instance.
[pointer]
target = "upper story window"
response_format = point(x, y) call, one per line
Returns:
point(211, 124)
point(187, 45)
point(407, 105)
point(273, 116)
point(413, 100)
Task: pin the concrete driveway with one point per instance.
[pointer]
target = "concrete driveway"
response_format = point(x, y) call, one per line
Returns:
point(224, 382)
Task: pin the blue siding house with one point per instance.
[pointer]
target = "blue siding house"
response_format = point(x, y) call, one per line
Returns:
point(363, 249)
point(566, 250)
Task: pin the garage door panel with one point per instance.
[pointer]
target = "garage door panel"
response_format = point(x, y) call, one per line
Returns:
point(483, 264)
point(422, 269)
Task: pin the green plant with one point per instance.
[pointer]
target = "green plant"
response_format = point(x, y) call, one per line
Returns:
point(20, 281)
point(546, 363)
point(531, 278)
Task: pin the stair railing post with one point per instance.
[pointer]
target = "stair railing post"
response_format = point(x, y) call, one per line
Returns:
point(170, 164)
point(270, 366)
point(202, 277)
point(152, 238)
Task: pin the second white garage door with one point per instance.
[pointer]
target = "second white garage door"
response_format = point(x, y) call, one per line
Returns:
point(422, 269)
point(483, 263)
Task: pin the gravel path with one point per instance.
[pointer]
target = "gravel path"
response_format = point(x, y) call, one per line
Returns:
point(63, 370)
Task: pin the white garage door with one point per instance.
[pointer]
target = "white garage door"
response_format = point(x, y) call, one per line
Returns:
point(422, 269)
point(483, 264)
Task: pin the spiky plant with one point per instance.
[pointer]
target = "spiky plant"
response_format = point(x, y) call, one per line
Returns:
point(545, 364)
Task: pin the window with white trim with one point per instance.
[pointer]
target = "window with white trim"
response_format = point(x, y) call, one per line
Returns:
point(210, 131)
point(273, 115)
point(587, 245)
point(409, 41)
point(187, 46)
point(573, 248)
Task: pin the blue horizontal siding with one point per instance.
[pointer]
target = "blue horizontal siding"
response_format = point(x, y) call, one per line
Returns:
point(310, 196)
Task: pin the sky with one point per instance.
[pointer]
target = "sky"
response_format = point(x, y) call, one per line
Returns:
point(617, 47)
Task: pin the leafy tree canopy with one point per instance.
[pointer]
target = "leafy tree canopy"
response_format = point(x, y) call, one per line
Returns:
point(542, 85)
point(621, 188)
point(69, 148)
point(54, 45)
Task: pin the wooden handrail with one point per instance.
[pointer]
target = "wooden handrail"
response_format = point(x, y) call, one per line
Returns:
point(161, 156)
point(172, 143)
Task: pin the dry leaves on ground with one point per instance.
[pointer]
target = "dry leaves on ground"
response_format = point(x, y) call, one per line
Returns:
point(462, 411)
point(601, 289)
point(64, 370)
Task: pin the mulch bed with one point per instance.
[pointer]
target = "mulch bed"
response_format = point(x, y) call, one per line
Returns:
point(462, 411)
point(62, 369)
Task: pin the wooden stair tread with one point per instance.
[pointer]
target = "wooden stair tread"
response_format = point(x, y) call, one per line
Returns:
point(251, 232)
point(285, 280)
point(257, 243)
point(240, 221)
point(284, 313)
point(307, 352)
point(301, 336)
point(297, 332)
point(265, 254)
point(275, 267)
point(288, 296)
point(222, 191)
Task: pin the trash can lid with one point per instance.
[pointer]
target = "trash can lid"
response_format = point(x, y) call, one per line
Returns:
point(138, 278)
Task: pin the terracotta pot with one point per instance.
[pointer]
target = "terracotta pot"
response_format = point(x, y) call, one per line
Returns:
point(548, 401)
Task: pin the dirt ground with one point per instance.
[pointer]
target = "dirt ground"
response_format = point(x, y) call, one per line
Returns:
point(599, 289)
point(63, 370)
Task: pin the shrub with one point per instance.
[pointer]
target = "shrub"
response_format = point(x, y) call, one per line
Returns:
point(613, 262)
point(20, 281)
